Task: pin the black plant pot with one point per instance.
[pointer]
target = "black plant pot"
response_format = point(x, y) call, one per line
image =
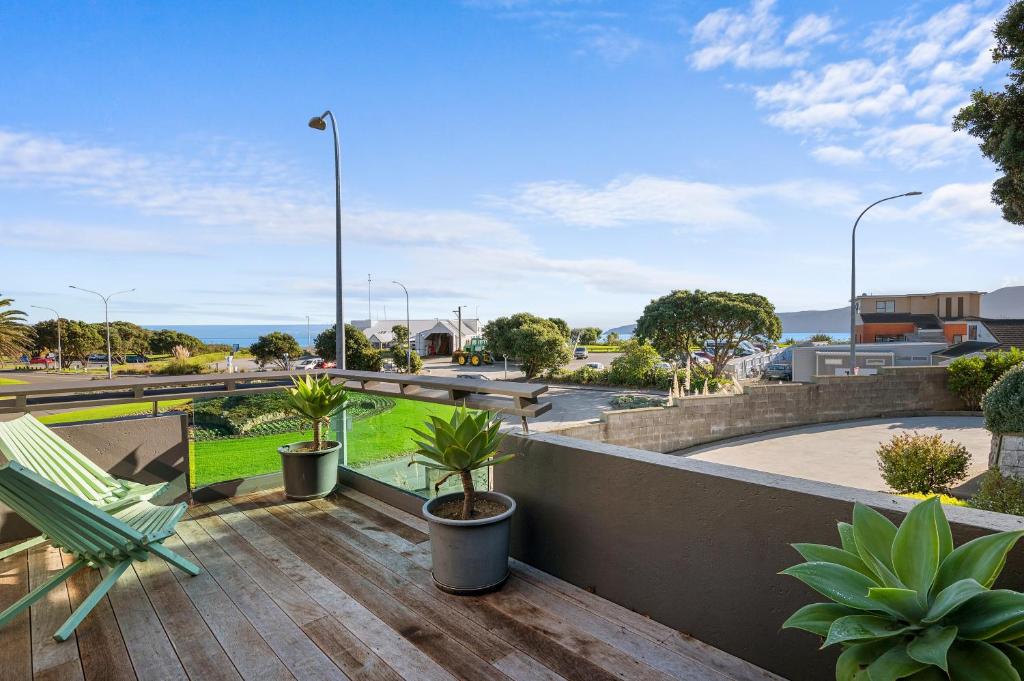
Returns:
point(309, 475)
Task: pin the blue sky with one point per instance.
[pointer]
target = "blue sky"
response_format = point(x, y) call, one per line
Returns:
point(566, 158)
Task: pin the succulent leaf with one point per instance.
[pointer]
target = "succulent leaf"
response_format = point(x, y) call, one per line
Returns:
point(1015, 655)
point(863, 628)
point(853, 662)
point(831, 554)
point(979, 661)
point(836, 582)
point(951, 598)
point(903, 603)
point(917, 548)
point(894, 664)
point(981, 559)
point(988, 614)
point(818, 617)
point(932, 646)
point(846, 538)
point(874, 534)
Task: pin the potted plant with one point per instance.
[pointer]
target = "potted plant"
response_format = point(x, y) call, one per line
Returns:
point(1003, 405)
point(310, 468)
point(469, 530)
point(906, 604)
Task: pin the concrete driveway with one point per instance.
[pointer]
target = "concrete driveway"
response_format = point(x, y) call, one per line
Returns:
point(841, 453)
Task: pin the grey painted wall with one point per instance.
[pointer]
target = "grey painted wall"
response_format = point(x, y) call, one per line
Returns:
point(143, 449)
point(693, 544)
point(701, 419)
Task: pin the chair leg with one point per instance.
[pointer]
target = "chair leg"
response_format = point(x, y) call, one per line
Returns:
point(86, 606)
point(174, 559)
point(28, 599)
point(18, 548)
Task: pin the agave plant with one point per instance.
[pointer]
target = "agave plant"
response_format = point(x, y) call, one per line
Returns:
point(460, 446)
point(316, 398)
point(907, 605)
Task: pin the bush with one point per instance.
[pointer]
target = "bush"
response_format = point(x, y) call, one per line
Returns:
point(637, 401)
point(1000, 493)
point(181, 367)
point(398, 354)
point(943, 498)
point(971, 377)
point(925, 464)
point(1003, 404)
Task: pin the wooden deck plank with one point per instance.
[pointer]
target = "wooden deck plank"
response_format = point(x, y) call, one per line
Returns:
point(196, 646)
point(376, 521)
point(348, 652)
point(51, 660)
point(250, 654)
point(412, 521)
point(150, 650)
point(428, 636)
point(16, 636)
point(101, 646)
point(398, 652)
point(302, 657)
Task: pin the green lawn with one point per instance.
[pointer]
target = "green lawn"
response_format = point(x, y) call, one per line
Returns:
point(603, 348)
point(377, 438)
point(111, 412)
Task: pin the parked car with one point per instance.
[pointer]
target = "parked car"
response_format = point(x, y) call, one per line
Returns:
point(703, 357)
point(781, 366)
point(309, 363)
point(136, 359)
point(594, 365)
point(45, 361)
point(97, 358)
point(580, 353)
point(663, 366)
point(328, 365)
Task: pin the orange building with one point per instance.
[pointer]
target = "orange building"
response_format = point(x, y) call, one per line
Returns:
point(940, 316)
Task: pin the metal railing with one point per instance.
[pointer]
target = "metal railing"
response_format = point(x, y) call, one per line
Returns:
point(751, 365)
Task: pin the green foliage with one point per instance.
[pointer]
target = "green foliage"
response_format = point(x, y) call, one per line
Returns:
point(317, 399)
point(359, 354)
point(78, 339)
point(995, 117)
point(181, 367)
point(922, 464)
point(459, 446)
point(562, 326)
point(538, 344)
point(632, 374)
point(970, 377)
point(1003, 404)
point(15, 335)
point(401, 332)
point(272, 348)
point(906, 604)
point(636, 401)
point(586, 335)
point(612, 338)
point(676, 322)
point(1000, 493)
point(162, 342)
point(822, 338)
point(636, 364)
point(126, 339)
point(399, 356)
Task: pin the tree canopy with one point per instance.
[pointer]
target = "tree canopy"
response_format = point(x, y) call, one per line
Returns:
point(681, 319)
point(163, 341)
point(359, 354)
point(587, 335)
point(537, 343)
point(997, 118)
point(272, 348)
point(78, 339)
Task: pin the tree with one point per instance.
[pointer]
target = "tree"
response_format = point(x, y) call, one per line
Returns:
point(996, 118)
point(498, 332)
point(15, 335)
point(127, 339)
point(636, 364)
point(562, 326)
point(78, 339)
point(359, 354)
point(612, 338)
point(398, 354)
point(401, 332)
point(822, 338)
point(162, 342)
point(587, 335)
point(274, 346)
point(675, 322)
point(538, 346)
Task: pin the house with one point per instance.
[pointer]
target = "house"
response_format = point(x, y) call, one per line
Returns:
point(429, 336)
point(985, 335)
point(922, 317)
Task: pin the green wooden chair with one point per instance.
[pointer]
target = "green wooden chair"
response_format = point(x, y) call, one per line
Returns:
point(95, 538)
point(36, 447)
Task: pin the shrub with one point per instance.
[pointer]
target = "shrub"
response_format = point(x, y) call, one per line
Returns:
point(905, 604)
point(181, 367)
point(399, 355)
point(1003, 404)
point(971, 377)
point(637, 401)
point(925, 464)
point(1000, 493)
point(943, 498)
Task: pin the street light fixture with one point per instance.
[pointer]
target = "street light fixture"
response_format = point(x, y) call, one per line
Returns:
point(853, 278)
point(60, 354)
point(408, 329)
point(106, 320)
point(318, 123)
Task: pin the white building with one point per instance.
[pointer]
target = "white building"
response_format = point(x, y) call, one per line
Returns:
point(429, 336)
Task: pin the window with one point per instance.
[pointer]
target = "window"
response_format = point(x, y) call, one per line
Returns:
point(972, 332)
point(885, 306)
point(958, 339)
point(960, 307)
point(949, 308)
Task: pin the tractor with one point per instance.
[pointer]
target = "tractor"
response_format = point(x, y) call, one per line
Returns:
point(474, 353)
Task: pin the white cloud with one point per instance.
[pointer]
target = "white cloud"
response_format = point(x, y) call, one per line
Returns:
point(920, 145)
point(838, 155)
point(753, 39)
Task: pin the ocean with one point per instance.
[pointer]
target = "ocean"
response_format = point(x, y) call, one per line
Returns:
point(244, 334)
point(836, 335)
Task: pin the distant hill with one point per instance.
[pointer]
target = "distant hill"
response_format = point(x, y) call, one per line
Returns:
point(816, 321)
point(1004, 303)
point(625, 330)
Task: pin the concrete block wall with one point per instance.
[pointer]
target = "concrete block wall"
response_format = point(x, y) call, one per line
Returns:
point(701, 419)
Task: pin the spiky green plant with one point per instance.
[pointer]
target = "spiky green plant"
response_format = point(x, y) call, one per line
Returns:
point(15, 336)
point(907, 605)
point(317, 399)
point(460, 446)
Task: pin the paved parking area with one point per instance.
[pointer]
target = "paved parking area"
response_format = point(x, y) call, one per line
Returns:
point(841, 453)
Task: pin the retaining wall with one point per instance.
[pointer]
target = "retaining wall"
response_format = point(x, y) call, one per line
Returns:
point(696, 420)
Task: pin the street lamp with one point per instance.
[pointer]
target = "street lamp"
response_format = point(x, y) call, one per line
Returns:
point(60, 354)
point(853, 278)
point(408, 329)
point(318, 123)
point(106, 320)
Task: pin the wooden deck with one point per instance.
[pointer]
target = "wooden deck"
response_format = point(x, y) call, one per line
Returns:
point(331, 589)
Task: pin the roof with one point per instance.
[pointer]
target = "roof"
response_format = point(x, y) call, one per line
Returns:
point(382, 328)
point(965, 348)
point(921, 321)
point(921, 295)
point(1009, 332)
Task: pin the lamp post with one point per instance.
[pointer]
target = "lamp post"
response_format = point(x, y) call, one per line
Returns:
point(106, 320)
point(60, 354)
point(318, 123)
point(853, 278)
point(408, 329)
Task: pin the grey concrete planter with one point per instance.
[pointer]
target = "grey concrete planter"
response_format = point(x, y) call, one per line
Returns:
point(1007, 453)
point(309, 475)
point(470, 556)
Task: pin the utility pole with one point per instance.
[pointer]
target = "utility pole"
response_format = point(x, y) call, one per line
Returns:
point(458, 311)
point(369, 301)
point(60, 353)
point(106, 321)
